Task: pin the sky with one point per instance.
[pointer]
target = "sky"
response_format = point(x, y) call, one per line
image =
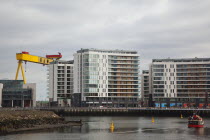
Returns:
point(154, 28)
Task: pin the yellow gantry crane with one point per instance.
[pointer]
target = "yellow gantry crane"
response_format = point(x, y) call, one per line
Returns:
point(26, 57)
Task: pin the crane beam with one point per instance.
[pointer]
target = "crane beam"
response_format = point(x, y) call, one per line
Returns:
point(33, 58)
point(26, 57)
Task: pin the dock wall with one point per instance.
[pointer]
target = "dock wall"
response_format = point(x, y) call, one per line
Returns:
point(129, 112)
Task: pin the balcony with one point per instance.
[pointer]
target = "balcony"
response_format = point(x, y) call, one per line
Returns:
point(189, 88)
point(124, 58)
point(193, 76)
point(192, 79)
point(123, 63)
point(126, 76)
point(191, 93)
point(120, 92)
point(119, 84)
point(120, 71)
point(122, 80)
point(186, 84)
point(124, 88)
point(192, 72)
point(113, 67)
point(193, 67)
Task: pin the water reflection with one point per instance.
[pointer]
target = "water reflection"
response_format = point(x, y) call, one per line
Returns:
point(200, 131)
point(125, 128)
point(163, 130)
point(124, 131)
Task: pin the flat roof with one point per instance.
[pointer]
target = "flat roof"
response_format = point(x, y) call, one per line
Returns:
point(63, 62)
point(182, 60)
point(107, 51)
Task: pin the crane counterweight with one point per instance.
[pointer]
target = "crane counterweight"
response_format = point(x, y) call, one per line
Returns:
point(54, 56)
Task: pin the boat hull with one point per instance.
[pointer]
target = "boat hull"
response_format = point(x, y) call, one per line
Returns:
point(195, 126)
point(196, 123)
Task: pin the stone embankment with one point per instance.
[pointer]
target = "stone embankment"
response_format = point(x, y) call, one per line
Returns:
point(18, 121)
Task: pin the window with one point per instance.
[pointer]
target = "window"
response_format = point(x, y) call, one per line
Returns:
point(158, 78)
point(158, 70)
point(158, 74)
point(171, 66)
point(158, 66)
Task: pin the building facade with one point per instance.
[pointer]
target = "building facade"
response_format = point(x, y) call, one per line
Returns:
point(13, 93)
point(1, 88)
point(180, 82)
point(60, 83)
point(145, 87)
point(106, 77)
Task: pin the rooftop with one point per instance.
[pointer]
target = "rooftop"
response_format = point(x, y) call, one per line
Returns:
point(14, 84)
point(183, 60)
point(63, 62)
point(107, 51)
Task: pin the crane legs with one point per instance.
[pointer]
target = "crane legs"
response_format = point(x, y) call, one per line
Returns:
point(22, 70)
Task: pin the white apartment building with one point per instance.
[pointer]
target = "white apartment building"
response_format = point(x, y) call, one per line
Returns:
point(180, 82)
point(60, 82)
point(106, 78)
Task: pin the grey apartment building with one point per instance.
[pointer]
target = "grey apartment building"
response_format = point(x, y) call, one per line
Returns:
point(180, 82)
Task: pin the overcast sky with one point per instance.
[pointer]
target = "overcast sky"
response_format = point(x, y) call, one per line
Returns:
point(155, 28)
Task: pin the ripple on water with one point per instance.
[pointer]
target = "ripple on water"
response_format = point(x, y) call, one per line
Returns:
point(163, 130)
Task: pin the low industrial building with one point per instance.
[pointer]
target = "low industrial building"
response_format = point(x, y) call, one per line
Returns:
point(13, 93)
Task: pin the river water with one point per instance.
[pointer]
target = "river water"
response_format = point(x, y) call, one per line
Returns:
point(126, 128)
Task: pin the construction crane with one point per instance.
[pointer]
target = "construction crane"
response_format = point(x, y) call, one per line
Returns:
point(26, 57)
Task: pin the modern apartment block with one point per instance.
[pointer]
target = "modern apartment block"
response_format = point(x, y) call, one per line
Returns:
point(106, 77)
point(180, 82)
point(145, 80)
point(60, 82)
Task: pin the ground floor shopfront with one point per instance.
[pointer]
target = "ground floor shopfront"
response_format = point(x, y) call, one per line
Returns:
point(177, 102)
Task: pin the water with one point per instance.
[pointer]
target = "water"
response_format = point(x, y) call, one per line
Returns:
point(126, 128)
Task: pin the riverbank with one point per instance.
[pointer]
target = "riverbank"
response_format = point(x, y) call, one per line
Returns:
point(12, 121)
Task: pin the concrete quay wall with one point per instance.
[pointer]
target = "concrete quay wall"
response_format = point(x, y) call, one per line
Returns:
point(128, 112)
